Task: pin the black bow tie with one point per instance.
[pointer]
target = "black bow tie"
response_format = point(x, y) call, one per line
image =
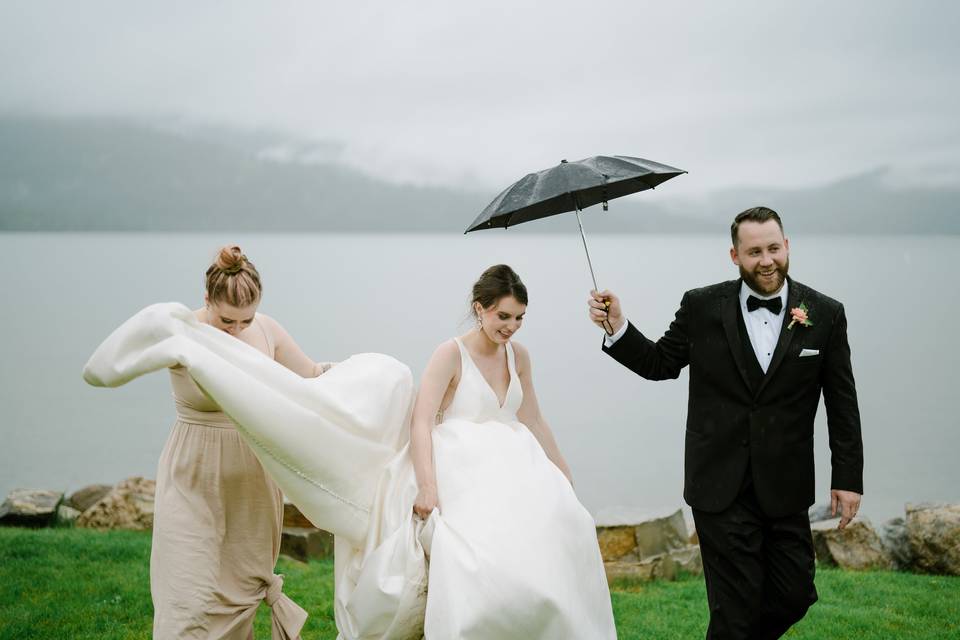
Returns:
point(775, 305)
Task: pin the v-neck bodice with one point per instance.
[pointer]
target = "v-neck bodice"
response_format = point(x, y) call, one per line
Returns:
point(475, 399)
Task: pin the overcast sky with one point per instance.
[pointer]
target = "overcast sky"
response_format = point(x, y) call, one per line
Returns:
point(477, 94)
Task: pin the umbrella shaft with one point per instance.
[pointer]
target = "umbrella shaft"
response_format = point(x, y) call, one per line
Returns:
point(587, 250)
point(606, 323)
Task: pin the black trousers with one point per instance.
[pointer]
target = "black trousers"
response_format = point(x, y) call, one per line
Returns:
point(759, 570)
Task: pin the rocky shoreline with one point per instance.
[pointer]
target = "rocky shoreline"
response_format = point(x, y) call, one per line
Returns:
point(636, 547)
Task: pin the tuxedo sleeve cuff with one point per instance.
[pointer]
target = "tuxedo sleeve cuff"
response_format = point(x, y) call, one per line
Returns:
point(846, 481)
point(609, 341)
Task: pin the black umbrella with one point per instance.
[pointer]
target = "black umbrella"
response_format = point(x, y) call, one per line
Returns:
point(572, 186)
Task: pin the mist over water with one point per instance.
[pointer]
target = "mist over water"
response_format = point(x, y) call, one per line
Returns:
point(404, 294)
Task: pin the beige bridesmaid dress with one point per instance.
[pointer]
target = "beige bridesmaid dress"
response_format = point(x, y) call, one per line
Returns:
point(217, 527)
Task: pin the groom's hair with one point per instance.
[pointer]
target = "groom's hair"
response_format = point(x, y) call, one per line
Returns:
point(754, 214)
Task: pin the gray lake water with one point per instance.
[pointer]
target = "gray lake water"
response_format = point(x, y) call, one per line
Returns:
point(404, 294)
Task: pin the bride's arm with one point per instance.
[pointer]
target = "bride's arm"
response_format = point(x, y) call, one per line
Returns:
point(529, 413)
point(288, 353)
point(440, 371)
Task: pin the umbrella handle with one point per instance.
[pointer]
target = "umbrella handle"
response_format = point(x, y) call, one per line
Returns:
point(607, 327)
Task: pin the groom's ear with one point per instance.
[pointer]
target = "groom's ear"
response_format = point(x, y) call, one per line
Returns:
point(733, 256)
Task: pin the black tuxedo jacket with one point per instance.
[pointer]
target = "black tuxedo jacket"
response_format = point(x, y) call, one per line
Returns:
point(740, 420)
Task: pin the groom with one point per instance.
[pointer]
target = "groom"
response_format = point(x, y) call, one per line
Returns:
point(760, 350)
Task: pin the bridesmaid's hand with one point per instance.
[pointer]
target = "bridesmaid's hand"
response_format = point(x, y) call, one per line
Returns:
point(426, 502)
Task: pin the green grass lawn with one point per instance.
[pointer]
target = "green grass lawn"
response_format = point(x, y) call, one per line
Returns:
point(75, 584)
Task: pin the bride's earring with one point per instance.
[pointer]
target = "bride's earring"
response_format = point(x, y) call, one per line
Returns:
point(479, 324)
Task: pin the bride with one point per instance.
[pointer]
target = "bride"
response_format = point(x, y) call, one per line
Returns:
point(477, 504)
point(514, 554)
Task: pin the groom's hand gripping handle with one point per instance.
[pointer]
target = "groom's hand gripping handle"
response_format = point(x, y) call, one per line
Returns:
point(605, 311)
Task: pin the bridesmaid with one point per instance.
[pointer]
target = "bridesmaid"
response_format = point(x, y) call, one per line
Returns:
point(218, 516)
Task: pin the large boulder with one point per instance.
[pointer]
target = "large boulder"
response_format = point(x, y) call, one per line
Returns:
point(665, 566)
point(30, 508)
point(66, 516)
point(856, 547)
point(616, 542)
point(129, 505)
point(83, 499)
point(642, 546)
point(933, 531)
point(635, 537)
point(306, 543)
point(893, 535)
point(820, 512)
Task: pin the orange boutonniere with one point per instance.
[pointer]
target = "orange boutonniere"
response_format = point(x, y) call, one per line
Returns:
point(800, 315)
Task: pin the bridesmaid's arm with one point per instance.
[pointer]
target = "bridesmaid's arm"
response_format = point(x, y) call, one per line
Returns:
point(440, 371)
point(529, 413)
point(288, 353)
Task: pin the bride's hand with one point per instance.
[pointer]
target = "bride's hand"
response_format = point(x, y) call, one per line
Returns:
point(426, 502)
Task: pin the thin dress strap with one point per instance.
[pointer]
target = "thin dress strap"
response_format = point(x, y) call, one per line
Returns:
point(463, 355)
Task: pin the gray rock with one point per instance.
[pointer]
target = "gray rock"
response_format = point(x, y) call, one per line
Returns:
point(933, 532)
point(644, 538)
point(665, 566)
point(820, 512)
point(129, 505)
point(691, 525)
point(304, 544)
point(893, 536)
point(66, 516)
point(856, 547)
point(688, 560)
point(30, 508)
point(83, 499)
point(662, 535)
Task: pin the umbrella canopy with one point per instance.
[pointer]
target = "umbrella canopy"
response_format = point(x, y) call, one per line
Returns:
point(571, 186)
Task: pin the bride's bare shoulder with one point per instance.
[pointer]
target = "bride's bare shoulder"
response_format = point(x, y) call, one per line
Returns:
point(446, 357)
point(447, 351)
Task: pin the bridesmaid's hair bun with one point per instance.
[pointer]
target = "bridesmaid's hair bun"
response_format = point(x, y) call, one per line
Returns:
point(230, 260)
point(232, 279)
point(499, 281)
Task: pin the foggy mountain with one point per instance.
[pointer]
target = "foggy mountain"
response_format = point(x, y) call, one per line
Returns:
point(100, 174)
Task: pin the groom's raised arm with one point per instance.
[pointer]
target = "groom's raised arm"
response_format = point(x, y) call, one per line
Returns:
point(660, 360)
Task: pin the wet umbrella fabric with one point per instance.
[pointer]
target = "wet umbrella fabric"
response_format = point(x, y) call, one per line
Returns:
point(571, 186)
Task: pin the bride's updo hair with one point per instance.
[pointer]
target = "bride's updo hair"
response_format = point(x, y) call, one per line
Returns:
point(232, 279)
point(499, 281)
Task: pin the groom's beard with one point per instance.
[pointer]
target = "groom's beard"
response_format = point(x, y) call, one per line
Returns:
point(754, 282)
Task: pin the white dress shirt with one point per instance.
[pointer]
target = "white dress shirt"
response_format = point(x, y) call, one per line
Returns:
point(762, 326)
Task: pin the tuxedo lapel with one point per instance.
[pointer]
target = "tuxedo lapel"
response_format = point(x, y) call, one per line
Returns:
point(794, 295)
point(729, 301)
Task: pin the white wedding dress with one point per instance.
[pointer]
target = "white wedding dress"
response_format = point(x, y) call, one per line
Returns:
point(512, 553)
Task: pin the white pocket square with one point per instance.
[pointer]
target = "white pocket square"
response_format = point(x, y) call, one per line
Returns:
point(809, 352)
